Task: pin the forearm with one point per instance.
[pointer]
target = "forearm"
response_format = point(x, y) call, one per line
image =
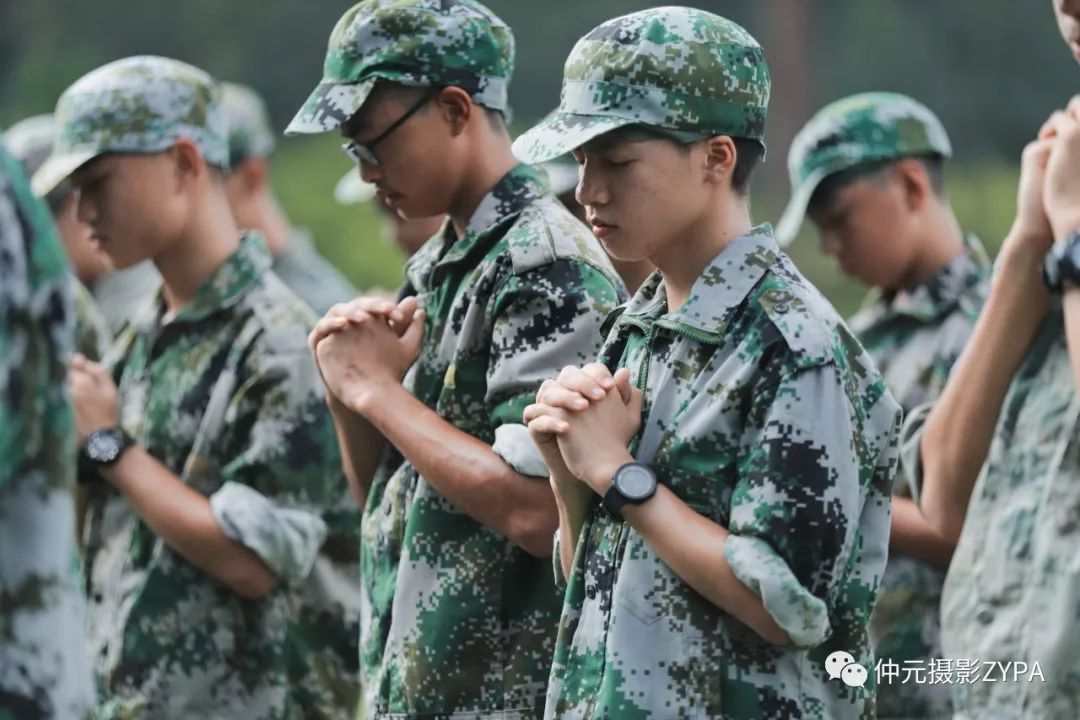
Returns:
point(912, 535)
point(464, 470)
point(361, 445)
point(182, 517)
point(960, 428)
point(1071, 307)
point(693, 547)
point(572, 498)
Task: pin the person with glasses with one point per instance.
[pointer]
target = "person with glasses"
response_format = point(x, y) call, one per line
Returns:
point(460, 610)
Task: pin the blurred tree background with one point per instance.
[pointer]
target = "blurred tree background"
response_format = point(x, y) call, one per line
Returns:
point(993, 70)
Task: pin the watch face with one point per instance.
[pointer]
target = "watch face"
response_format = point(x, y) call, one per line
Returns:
point(103, 447)
point(636, 482)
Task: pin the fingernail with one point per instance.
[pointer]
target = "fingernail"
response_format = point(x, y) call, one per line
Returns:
point(581, 404)
point(598, 393)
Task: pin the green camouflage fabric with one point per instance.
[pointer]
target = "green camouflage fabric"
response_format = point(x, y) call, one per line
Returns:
point(459, 621)
point(140, 104)
point(857, 130)
point(251, 134)
point(736, 384)
point(914, 338)
point(226, 395)
point(310, 275)
point(409, 42)
point(675, 68)
point(43, 670)
point(1013, 587)
point(92, 336)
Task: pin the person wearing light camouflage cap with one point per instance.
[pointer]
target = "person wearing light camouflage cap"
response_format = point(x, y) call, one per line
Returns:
point(723, 470)
point(30, 141)
point(210, 460)
point(995, 463)
point(254, 205)
point(460, 611)
point(44, 669)
point(869, 168)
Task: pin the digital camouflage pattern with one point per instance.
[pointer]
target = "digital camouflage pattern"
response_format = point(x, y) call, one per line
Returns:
point(30, 142)
point(140, 104)
point(310, 275)
point(251, 134)
point(43, 674)
point(675, 68)
point(1011, 592)
point(226, 395)
point(914, 338)
point(458, 619)
point(409, 42)
point(736, 383)
point(856, 130)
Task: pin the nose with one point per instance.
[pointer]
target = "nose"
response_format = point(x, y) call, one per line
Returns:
point(370, 173)
point(590, 188)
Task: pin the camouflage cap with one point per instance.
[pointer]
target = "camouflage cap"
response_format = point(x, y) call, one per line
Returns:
point(857, 130)
point(250, 131)
point(673, 68)
point(30, 141)
point(140, 104)
point(352, 190)
point(410, 42)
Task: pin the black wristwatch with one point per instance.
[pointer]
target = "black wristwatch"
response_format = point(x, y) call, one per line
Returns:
point(1061, 266)
point(633, 483)
point(103, 448)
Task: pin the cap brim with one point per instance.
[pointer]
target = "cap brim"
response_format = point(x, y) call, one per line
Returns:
point(351, 190)
point(792, 219)
point(560, 133)
point(329, 106)
point(57, 168)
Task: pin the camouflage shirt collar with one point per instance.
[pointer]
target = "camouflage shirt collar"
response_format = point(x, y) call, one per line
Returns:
point(723, 286)
point(939, 294)
point(506, 200)
point(226, 286)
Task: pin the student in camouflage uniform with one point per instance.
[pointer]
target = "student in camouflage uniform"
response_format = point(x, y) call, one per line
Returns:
point(218, 476)
point(995, 463)
point(869, 168)
point(296, 262)
point(30, 141)
point(460, 610)
point(43, 667)
point(407, 235)
point(740, 540)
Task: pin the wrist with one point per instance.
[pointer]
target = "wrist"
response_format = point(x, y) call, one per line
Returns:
point(600, 474)
point(368, 397)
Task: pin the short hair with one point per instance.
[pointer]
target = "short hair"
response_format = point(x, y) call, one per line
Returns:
point(877, 172)
point(748, 154)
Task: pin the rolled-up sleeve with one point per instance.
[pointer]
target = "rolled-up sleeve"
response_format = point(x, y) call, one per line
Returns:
point(544, 319)
point(281, 467)
point(796, 508)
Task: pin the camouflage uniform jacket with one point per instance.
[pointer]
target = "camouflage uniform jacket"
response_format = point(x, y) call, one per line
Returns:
point(914, 338)
point(225, 394)
point(1013, 587)
point(309, 275)
point(459, 621)
point(763, 414)
point(43, 669)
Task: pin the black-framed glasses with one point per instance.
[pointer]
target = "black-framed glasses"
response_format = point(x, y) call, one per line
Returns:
point(365, 152)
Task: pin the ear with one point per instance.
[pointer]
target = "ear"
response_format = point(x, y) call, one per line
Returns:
point(720, 159)
point(190, 165)
point(914, 183)
point(456, 107)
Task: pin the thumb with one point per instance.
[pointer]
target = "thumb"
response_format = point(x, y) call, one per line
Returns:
point(414, 334)
point(637, 402)
point(622, 384)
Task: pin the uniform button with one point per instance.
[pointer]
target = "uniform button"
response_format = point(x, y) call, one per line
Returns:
point(782, 307)
point(98, 597)
point(591, 592)
point(985, 615)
